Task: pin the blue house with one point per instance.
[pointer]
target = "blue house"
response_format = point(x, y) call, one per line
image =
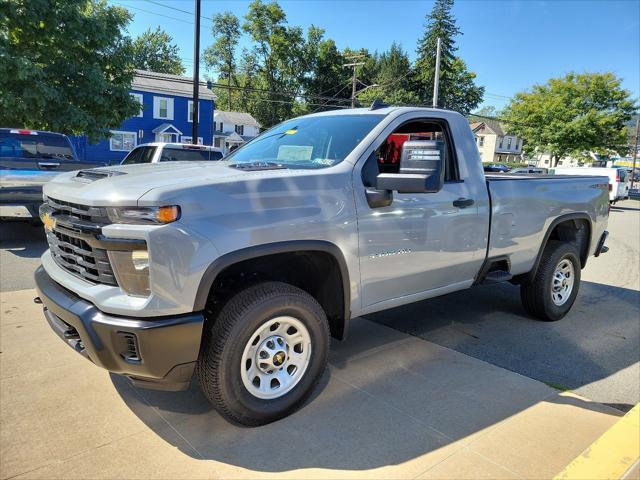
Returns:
point(166, 116)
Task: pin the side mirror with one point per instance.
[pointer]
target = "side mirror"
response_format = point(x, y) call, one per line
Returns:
point(421, 169)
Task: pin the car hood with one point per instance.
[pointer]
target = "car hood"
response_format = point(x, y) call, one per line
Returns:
point(124, 185)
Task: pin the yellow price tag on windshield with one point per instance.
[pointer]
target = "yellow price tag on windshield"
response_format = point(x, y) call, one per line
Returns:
point(291, 132)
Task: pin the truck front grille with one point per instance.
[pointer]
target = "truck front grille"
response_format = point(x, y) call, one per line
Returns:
point(70, 247)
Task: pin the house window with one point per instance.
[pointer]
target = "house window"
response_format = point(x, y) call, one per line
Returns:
point(481, 141)
point(163, 108)
point(138, 98)
point(509, 143)
point(240, 129)
point(500, 143)
point(217, 142)
point(190, 111)
point(186, 139)
point(122, 141)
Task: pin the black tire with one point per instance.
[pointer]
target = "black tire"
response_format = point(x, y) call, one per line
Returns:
point(224, 341)
point(536, 294)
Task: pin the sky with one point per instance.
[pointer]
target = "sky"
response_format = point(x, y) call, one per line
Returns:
point(510, 45)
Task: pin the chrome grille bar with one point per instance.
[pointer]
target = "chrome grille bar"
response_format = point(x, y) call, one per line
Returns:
point(70, 248)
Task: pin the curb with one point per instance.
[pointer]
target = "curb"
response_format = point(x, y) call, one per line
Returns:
point(612, 455)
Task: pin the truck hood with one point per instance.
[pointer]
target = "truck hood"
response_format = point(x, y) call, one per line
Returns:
point(124, 185)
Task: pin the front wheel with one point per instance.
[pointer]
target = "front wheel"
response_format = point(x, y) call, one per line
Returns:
point(264, 354)
point(553, 290)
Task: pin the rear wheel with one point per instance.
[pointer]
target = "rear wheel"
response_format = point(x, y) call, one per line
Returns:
point(264, 354)
point(553, 290)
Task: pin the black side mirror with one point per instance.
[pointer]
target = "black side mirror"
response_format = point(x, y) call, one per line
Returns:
point(421, 169)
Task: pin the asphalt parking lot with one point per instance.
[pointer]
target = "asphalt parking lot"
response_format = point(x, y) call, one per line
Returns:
point(465, 386)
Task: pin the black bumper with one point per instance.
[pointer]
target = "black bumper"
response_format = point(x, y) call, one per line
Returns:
point(158, 353)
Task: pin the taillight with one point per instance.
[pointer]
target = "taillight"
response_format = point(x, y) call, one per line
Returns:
point(618, 176)
point(610, 187)
point(24, 132)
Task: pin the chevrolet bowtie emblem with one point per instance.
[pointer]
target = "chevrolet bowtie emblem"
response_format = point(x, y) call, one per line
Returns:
point(49, 222)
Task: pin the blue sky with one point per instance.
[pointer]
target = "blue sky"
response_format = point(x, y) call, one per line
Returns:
point(511, 45)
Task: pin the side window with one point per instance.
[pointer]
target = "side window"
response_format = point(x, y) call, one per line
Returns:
point(389, 153)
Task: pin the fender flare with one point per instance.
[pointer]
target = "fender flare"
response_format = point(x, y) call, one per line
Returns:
point(228, 259)
point(557, 221)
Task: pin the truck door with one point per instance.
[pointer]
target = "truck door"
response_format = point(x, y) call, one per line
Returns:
point(423, 244)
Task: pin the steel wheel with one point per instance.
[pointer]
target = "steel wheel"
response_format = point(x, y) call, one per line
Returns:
point(276, 357)
point(562, 282)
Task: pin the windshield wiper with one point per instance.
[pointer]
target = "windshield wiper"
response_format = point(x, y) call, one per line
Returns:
point(258, 165)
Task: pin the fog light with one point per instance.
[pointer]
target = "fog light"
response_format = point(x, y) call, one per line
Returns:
point(131, 269)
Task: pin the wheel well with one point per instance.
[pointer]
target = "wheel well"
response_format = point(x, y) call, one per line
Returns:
point(316, 272)
point(577, 232)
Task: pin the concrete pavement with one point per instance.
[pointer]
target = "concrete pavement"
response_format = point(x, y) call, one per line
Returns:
point(389, 406)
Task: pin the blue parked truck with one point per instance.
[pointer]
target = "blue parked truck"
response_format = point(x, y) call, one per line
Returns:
point(29, 159)
point(239, 271)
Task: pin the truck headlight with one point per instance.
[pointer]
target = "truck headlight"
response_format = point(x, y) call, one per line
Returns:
point(131, 269)
point(144, 215)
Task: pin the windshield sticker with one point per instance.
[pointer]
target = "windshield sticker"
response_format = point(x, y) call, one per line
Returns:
point(295, 153)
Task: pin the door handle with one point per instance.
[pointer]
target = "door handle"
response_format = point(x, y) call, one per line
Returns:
point(48, 165)
point(463, 202)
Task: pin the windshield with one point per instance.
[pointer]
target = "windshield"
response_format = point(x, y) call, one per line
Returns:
point(139, 155)
point(37, 145)
point(311, 142)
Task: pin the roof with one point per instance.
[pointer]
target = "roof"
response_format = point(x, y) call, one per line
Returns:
point(492, 125)
point(236, 118)
point(164, 127)
point(171, 84)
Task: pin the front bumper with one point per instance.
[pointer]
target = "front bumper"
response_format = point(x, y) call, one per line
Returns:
point(158, 353)
point(20, 202)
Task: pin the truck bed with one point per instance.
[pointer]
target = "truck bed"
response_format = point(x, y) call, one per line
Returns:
point(523, 207)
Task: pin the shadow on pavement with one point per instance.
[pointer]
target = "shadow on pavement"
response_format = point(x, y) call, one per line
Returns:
point(599, 337)
point(22, 239)
point(388, 398)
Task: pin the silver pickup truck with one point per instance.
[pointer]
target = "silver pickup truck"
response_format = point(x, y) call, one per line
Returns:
point(240, 271)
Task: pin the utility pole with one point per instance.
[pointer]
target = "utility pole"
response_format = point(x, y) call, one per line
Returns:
point(436, 78)
point(635, 152)
point(354, 80)
point(196, 74)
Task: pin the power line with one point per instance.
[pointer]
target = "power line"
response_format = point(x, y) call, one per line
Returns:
point(153, 13)
point(246, 89)
point(177, 9)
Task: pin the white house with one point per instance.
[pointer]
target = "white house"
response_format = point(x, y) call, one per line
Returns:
point(494, 144)
point(232, 129)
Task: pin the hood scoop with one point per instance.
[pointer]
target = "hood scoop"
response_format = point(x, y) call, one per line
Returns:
point(93, 175)
point(256, 166)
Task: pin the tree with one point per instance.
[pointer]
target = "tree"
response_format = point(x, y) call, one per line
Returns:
point(221, 55)
point(457, 88)
point(66, 66)
point(587, 112)
point(394, 79)
point(154, 51)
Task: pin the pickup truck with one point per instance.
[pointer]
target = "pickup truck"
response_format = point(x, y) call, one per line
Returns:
point(239, 271)
point(29, 159)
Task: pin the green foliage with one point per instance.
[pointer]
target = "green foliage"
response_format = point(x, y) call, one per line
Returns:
point(66, 66)
point(221, 55)
point(393, 74)
point(576, 113)
point(154, 51)
point(457, 85)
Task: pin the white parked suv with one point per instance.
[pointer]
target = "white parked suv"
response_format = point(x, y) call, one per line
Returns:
point(171, 152)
